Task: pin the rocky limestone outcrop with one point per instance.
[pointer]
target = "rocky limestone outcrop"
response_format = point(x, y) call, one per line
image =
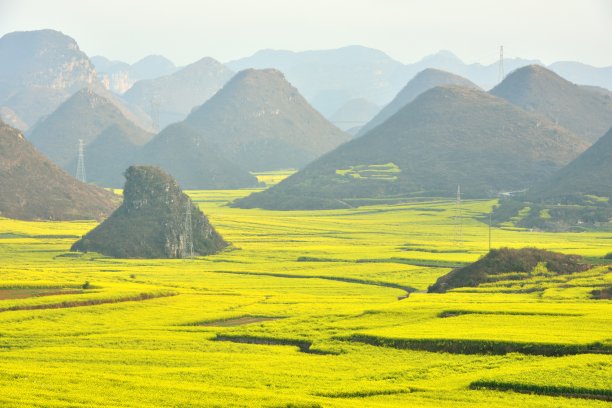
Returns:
point(156, 220)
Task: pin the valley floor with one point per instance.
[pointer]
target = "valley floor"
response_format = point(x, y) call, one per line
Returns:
point(306, 309)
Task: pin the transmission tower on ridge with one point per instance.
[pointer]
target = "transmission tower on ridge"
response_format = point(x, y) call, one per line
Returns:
point(502, 74)
point(188, 248)
point(458, 218)
point(80, 173)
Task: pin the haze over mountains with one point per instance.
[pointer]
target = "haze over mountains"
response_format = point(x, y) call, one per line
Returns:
point(589, 174)
point(175, 95)
point(34, 188)
point(218, 126)
point(330, 78)
point(84, 116)
point(39, 71)
point(119, 76)
point(184, 152)
point(447, 136)
point(424, 80)
point(354, 114)
point(262, 122)
point(586, 112)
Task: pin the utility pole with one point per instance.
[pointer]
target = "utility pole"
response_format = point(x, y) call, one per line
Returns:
point(80, 173)
point(501, 74)
point(188, 248)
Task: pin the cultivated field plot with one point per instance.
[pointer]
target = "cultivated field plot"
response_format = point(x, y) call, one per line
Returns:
point(306, 309)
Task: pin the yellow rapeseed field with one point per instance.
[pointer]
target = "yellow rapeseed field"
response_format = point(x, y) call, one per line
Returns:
point(306, 309)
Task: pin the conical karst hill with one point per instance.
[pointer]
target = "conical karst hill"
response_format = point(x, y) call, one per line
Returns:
point(84, 116)
point(423, 81)
point(590, 174)
point(260, 121)
point(585, 111)
point(156, 220)
point(446, 137)
point(34, 188)
point(183, 152)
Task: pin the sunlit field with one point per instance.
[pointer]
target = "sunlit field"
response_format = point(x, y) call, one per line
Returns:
point(306, 309)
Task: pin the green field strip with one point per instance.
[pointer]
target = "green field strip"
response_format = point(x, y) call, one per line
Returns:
point(463, 346)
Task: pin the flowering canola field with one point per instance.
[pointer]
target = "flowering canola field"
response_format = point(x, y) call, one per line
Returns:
point(307, 309)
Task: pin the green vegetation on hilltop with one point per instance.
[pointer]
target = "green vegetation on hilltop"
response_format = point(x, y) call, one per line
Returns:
point(586, 112)
point(509, 264)
point(423, 81)
point(261, 121)
point(447, 136)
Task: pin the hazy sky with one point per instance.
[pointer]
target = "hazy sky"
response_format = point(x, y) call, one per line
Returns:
point(186, 30)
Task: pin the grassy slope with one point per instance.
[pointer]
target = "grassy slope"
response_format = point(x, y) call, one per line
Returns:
point(143, 353)
point(447, 136)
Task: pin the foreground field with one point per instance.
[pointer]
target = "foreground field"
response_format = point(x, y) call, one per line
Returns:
point(307, 309)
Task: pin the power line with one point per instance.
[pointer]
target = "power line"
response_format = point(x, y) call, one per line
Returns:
point(80, 173)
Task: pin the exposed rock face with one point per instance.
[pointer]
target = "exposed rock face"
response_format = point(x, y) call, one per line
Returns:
point(39, 70)
point(34, 188)
point(118, 76)
point(152, 222)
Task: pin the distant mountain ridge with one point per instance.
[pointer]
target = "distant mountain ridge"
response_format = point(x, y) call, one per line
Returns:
point(330, 78)
point(119, 76)
point(174, 96)
point(354, 114)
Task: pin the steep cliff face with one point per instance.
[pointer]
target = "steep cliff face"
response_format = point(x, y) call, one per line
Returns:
point(39, 70)
point(156, 220)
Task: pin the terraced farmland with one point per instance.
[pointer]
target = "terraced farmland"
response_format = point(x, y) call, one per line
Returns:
point(307, 309)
